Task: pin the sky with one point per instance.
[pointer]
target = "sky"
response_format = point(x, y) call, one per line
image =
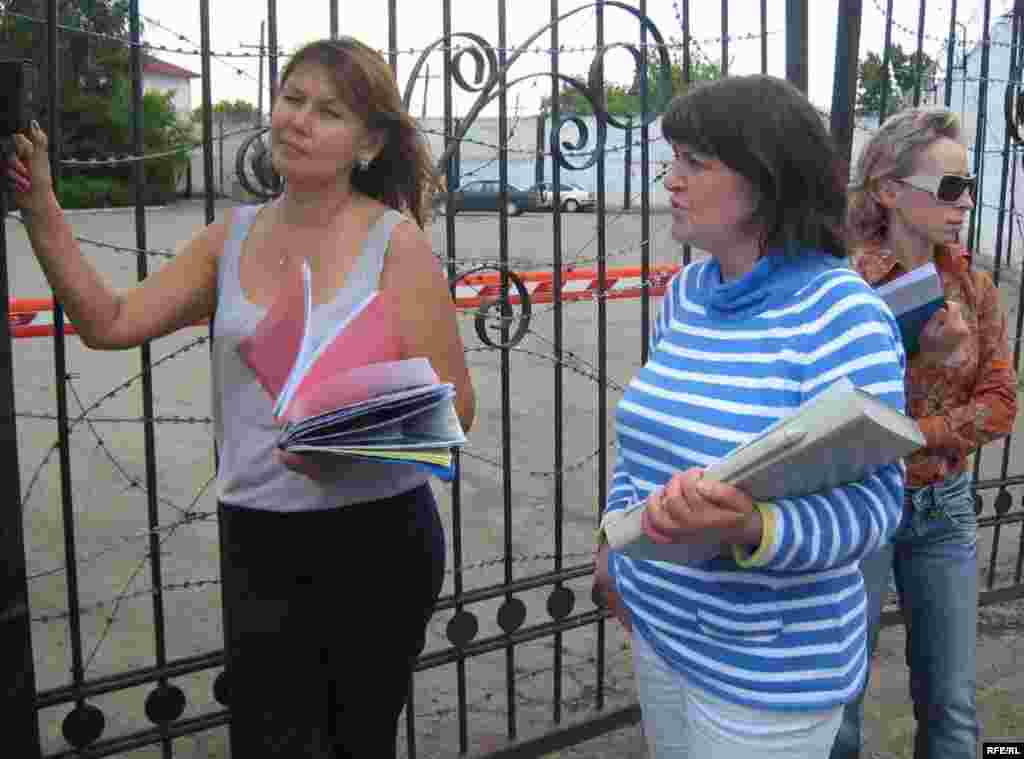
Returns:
point(236, 23)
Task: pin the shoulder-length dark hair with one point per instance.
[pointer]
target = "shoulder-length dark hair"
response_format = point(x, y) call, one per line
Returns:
point(766, 130)
point(402, 175)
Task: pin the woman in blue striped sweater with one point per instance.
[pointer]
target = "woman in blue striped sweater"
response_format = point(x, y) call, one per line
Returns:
point(754, 652)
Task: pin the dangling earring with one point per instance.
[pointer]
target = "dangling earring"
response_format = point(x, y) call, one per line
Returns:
point(363, 164)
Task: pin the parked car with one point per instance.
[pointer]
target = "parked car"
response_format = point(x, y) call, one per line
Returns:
point(573, 197)
point(485, 195)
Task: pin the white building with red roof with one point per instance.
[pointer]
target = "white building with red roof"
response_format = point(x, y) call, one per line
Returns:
point(163, 77)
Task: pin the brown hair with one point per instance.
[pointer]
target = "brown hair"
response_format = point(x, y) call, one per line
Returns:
point(766, 130)
point(401, 176)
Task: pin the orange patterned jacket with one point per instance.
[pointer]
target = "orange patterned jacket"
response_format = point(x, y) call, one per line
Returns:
point(971, 397)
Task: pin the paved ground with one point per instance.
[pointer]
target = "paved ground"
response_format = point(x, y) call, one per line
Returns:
point(110, 506)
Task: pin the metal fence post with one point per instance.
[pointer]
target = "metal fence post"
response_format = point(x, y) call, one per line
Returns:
point(796, 43)
point(17, 670)
point(627, 161)
point(844, 88)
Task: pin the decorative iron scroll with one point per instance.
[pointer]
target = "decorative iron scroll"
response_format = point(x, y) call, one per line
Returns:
point(254, 155)
point(497, 313)
point(489, 74)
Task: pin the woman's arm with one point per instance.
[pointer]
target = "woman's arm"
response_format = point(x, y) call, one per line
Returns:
point(856, 339)
point(179, 294)
point(427, 313)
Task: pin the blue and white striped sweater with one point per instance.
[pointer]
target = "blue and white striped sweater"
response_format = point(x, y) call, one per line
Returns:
point(787, 630)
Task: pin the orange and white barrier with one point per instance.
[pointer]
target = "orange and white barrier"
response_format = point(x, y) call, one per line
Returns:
point(577, 284)
point(33, 317)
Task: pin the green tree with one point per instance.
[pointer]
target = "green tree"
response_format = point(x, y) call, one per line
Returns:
point(95, 94)
point(907, 70)
point(162, 133)
point(624, 100)
point(88, 61)
point(233, 110)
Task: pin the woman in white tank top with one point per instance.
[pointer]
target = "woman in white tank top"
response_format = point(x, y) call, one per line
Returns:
point(311, 551)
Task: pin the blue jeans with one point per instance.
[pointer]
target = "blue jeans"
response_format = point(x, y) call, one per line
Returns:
point(934, 559)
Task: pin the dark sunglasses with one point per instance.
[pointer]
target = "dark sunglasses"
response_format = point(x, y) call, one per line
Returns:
point(948, 188)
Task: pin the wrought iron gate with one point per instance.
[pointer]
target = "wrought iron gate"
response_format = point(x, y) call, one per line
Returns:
point(534, 590)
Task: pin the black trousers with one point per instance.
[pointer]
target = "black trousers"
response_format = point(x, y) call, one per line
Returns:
point(324, 615)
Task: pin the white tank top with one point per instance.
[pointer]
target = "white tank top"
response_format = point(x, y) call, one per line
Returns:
point(249, 474)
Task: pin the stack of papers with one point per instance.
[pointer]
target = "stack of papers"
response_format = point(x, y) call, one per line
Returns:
point(353, 393)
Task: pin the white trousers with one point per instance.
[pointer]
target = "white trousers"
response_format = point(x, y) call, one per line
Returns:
point(682, 721)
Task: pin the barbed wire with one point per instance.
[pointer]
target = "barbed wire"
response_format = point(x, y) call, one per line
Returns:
point(982, 42)
point(497, 156)
point(183, 38)
point(134, 537)
point(121, 387)
point(176, 150)
point(193, 146)
point(160, 419)
point(282, 52)
point(131, 480)
point(121, 598)
point(97, 606)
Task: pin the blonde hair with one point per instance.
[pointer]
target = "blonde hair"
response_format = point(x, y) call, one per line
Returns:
point(892, 153)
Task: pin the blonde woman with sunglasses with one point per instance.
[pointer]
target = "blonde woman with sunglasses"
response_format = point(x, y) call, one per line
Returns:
point(910, 195)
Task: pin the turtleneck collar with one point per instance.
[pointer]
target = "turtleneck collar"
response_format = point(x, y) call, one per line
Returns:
point(775, 275)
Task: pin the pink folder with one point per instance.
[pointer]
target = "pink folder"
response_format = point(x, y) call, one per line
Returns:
point(271, 349)
point(371, 337)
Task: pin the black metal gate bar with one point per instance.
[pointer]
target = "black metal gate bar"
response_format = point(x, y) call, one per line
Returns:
point(950, 53)
point(1015, 156)
point(334, 21)
point(393, 39)
point(83, 714)
point(144, 738)
point(1010, 154)
point(764, 35)
point(165, 695)
point(887, 46)
point(919, 65)
point(844, 82)
point(725, 38)
point(16, 658)
point(123, 680)
point(687, 79)
point(796, 43)
point(207, 109)
point(1003, 182)
point(449, 236)
point(978, 211)
point(645, 192)
point(602, 338)
point(272, 49)
point(511, 604)
point(571, 736)
point(558, 378)
point(1007, 155)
